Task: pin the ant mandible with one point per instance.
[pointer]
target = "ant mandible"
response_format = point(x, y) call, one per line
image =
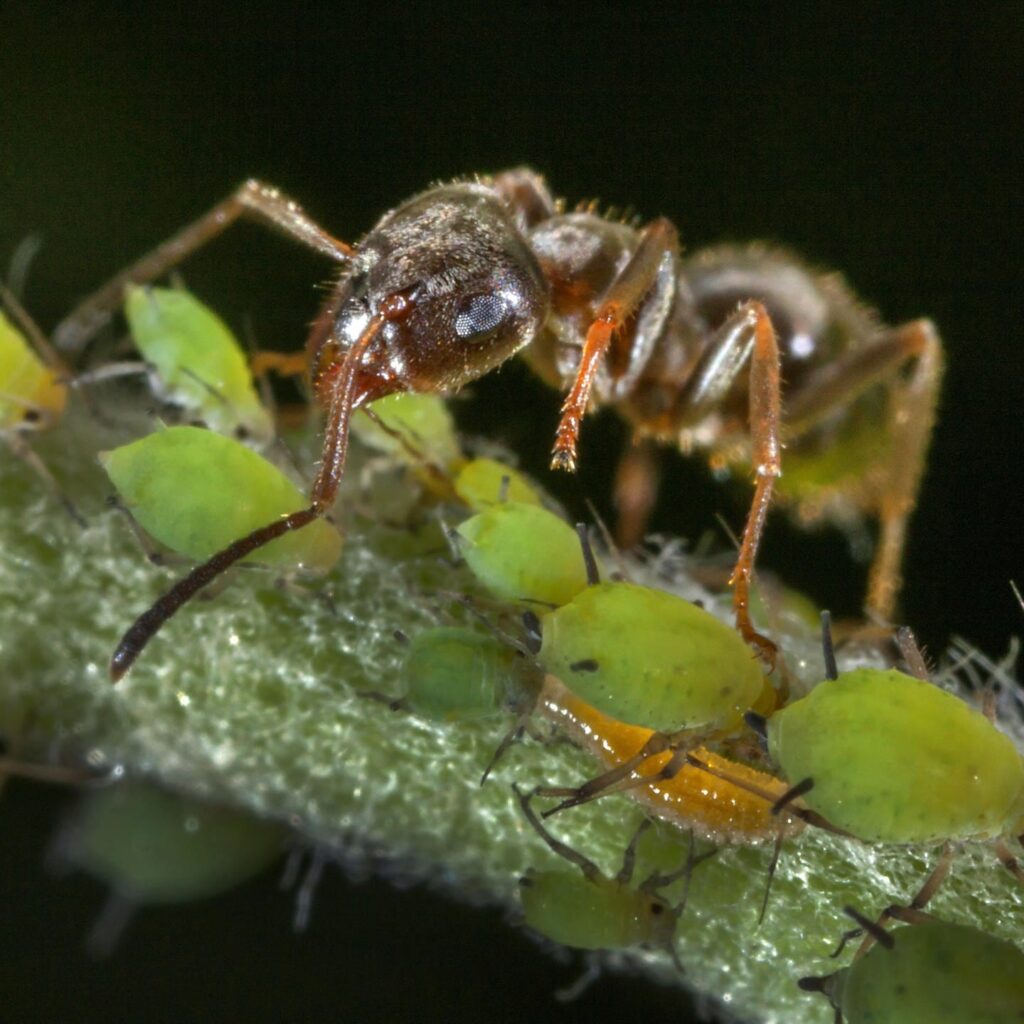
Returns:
point(459, 278)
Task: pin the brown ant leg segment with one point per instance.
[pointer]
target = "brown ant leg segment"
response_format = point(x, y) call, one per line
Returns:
point(619, 304)
point(590, 870)
point(765, 404)
point(911, 420)
point(340, 397)
point(919, 902)
point(284, 364)
point(254, 199)
point(636, 491)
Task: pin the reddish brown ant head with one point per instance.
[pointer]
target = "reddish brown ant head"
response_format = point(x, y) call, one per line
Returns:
point(468, 292)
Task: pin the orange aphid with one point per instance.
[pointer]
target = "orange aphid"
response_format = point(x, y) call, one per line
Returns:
point(692, 799)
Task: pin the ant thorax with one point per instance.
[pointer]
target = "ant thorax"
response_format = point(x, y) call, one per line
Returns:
point(581, 255)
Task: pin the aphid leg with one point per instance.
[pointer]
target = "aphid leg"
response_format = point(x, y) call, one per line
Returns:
point(931, 885)
point(774, 863)
point(828, 649)
point(262, 202)
point(618, 778)
point(765, 403)
point(784, 803)
point(512, 736)
point(571, 992)
point(1008, 860)
point(636, 491)
point(620, 302)
point(693, 860)
point(108, 928)
point(625, 875)
point(340, 397)
point(912, 654)
point(590, 870)
point(23, 450)
point(911, 419)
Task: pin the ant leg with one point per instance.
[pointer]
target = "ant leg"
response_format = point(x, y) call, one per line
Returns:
point(765, 405)
point(341, 395)
point(284, 364)
point(262, 202)
point(620, 303)
point(636, 490)
point(911, 419)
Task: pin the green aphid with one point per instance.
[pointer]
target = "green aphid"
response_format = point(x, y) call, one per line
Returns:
point(414, 428)
point(197, 362)
point(931, 973)
point(894, 759)
point(453, 674)
point(195, 491)
point(152, 846)
point(650, 658)
point(586, 909)
point(483, 482)
point(523, 552)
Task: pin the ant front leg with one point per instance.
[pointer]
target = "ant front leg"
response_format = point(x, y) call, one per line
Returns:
point(619, 304)
point(254, 199)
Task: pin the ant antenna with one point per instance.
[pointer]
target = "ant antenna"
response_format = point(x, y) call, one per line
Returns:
point(827, 647)
point(589, 561)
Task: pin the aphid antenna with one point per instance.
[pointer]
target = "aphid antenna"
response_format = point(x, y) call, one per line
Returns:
point(22, 259)
point(1017, 594)
point(589, 561)
point(912, 653)
point(590, 870)
point(25, 321)
point(828, 649)
point(466, 602)
point(609, 542)
point(417, 454)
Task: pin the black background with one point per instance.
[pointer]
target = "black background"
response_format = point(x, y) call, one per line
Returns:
point(875, 140)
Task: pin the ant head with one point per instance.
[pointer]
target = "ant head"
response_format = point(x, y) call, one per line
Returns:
point(468, 291)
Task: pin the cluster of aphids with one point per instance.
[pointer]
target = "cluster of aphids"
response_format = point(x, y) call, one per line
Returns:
point(673, 703)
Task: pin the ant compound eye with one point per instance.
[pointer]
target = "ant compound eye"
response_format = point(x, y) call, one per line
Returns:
point(480, 315)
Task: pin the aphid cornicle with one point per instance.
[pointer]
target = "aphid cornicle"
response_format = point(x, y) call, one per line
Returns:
point(461, 277)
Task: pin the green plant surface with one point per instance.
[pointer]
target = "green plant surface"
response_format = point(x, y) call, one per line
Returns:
point(253, 698)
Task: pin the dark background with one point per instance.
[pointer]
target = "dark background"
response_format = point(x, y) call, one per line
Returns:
point(880, 142)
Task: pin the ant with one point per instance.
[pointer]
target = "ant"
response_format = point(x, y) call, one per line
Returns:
point(459, 278)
